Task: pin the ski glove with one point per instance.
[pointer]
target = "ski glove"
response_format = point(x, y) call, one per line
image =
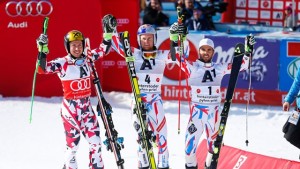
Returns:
point(109, 24)
point(177, 29)
point(249, 44)
point(42, 43)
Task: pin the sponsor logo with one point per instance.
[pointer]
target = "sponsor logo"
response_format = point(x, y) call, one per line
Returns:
point(17, 25)
point(240, 3)
point(241, 13)
point(82, 84)
point(121, 21)
point(251, 4)
point(192, 129)
point(121, 63)
point(240, 161)
point(28, 8)
point(108, 63)
point(293, 67)
point(266, 4)
point(277, 15)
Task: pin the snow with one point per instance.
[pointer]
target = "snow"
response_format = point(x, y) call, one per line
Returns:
point(41, 144)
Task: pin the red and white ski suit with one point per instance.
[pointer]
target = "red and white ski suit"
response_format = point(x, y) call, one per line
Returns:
point(76, 110)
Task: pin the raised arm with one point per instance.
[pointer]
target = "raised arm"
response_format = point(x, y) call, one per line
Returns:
point(179, 53)
point(109, 24)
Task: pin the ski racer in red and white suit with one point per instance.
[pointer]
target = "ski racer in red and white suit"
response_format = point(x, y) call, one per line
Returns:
point(204, 78)
point(76, 110)
point(149, 65)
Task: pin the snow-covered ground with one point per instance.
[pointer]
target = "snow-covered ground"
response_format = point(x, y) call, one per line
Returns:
point(41, 144)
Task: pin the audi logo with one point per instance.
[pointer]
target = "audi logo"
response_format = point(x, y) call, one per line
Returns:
point(123, 21)
point(121, 63)
point(108, 63)
point(28, 8)
point(82, 84)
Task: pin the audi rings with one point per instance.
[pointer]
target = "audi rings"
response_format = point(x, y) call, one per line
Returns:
point(28, 8)
point(81, 84)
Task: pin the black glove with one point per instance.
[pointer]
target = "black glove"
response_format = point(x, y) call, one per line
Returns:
point(109, 23)
point(249, 44)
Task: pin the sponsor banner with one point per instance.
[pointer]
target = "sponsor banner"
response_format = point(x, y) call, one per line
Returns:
point(289, 62)
point(21, 23)
point(264, 62)
point(231, 157)
point(261, 97)
point(264, 11)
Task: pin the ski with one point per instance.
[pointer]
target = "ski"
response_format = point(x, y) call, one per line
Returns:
point(236, 65)
point(40, 55)
point(139, 109)
point(113, 143)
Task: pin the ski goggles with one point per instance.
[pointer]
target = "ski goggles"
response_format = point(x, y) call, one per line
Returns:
point(149, 55)
point(80, 61)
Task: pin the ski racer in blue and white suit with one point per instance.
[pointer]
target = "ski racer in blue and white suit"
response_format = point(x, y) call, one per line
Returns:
point(77, 114)
point(204, 78)
point(149, 65)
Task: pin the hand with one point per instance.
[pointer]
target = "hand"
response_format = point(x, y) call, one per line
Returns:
point(178, 29)
point(42, 39)
point(42, 43)
point(182, 30)
point(109, 23)
point(249, 44)
point(286, 106)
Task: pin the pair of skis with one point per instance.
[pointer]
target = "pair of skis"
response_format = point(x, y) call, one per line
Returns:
point(113, 143)
point(139, 110)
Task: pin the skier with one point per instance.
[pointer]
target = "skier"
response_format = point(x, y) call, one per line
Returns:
point(149, 66)
point(204, 78)
point(76, 110)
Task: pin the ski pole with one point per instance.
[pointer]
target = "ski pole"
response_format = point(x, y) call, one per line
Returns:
point(180, 41)
point(249, 88)
point(45, 27)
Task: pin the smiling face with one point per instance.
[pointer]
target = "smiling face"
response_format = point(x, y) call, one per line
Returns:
point(206, 53)
point(76, 48)
point(147, 42)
